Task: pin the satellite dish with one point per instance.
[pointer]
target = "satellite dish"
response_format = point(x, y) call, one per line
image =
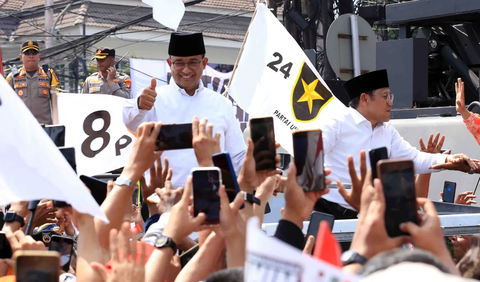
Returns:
point(340, 50)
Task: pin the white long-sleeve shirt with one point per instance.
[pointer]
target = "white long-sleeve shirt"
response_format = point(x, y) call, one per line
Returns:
point(349, 132)
point(174, 105)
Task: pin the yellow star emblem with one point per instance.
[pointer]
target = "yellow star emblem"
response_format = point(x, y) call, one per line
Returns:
point(310, 94)
point(30, 43)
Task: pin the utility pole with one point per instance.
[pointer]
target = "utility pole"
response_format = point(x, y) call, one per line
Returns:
point(48, 27)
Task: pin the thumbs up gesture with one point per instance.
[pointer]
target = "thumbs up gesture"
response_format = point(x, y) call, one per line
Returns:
point(147, 98)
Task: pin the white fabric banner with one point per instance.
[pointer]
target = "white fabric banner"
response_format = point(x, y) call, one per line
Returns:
point(271, 260)
point(167, 12)
point(31, 166)
point(94, 127)
point(275, 78)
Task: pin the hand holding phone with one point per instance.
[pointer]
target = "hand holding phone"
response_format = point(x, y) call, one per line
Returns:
point(206, 182)
point(398, 183)
point(308, 154)
point(229, 179)
point(263, 137)
point(174, 137)
point(315, 219)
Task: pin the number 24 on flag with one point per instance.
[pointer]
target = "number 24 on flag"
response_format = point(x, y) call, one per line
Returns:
point(285, 69)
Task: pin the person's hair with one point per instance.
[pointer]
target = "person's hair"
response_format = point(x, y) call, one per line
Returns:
point(389, 258)
point(469, 265)
point(203, 56)
point(356, 101)
point(227, 275)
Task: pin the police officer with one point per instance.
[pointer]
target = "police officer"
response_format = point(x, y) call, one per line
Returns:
point(33, 84)
point(106, 80)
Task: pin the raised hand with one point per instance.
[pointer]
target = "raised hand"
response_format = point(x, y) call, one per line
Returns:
point(465, 198)
point(147, 98)
point(205, 145)
point(460, 103)
point(434, 146)
point(158, 176)
point(353, 197)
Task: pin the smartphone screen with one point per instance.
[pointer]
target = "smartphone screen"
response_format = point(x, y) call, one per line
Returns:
point(97, 187)
point(263, 137)
point(375, 156)
point(315, 219)
point(229, 179)
point(34, 268)
point(56, 133)
point(174, 137)
point(206, 183)
point(308, 154)
point(449, 189)
point(398, 182)
point(64, 246)
point(69, 154)
point(5, 249)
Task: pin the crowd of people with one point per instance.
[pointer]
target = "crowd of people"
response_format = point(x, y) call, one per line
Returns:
point(153, 242)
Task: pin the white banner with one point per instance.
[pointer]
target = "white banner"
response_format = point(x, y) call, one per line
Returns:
point(275, 78)
point(142, 71)
point(94, 127)
point(270, 260)
point(31, 166)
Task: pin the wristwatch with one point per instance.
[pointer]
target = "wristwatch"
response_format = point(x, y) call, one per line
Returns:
point(12, 216)
point(252, 199)
point(165, 241)
point(124, 181)
point(351, 257)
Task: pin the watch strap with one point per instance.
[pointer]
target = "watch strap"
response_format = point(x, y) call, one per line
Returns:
point(352, 257)
point(252, 199)
point(12, 216)
point(165, 241)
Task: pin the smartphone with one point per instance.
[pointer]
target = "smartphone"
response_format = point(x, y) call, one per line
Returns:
point(308, 155)
point(397, 176)
point(69, 154)
point(34, 266)
point(375, 156)
point(206, 182)
point(449, 189)
point(315, 219)
point(5, 249)
point(229, 179)
point(263, 137)
point(56, 133)
point(186, 256)
point(97, 187)
point(446, 150)
point(174, 137)
point(63, 245)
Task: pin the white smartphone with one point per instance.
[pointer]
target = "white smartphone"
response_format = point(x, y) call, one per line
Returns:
point(206, 182)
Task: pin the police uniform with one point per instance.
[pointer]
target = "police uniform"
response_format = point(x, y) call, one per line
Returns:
point(35, 90)
point(97, 84)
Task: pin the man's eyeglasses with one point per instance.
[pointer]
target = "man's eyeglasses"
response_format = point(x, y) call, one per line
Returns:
point(191, 65)
point(30, 52)
point(387, 97)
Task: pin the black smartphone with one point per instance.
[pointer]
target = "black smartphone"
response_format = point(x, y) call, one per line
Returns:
point(174, 137)
point(263, 137)
point(315, 219)
point(229, 179)
point(186, 256)
point(97, 187)
point(69, 154)
point(5, 249)
point(375, 156)
point(308, 155)
point(56, 133)
point(398, 182)
point(34, 266)
point(449, 190)
point(63, 245)
point(206, 182)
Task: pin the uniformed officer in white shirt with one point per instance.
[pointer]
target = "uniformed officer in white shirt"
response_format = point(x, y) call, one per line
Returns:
point(364, 126)
point(184, 98)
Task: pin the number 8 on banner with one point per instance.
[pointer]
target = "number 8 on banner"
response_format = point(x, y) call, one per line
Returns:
point(92, 134)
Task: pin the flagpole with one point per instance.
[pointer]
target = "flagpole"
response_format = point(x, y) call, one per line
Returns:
point(241, 48)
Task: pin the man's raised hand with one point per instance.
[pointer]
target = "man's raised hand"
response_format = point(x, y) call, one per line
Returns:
point(147, 98)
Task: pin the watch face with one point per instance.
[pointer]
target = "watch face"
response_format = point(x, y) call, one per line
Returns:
point(9, 216)
point(346, 256)
point(161, 242)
